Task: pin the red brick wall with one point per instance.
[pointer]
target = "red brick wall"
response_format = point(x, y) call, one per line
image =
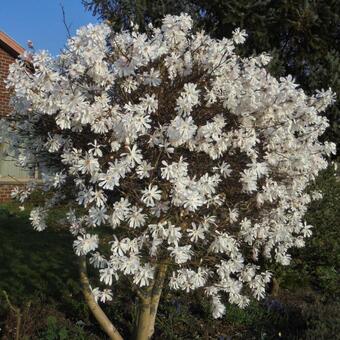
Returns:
point(5, 192)
point(5, 60)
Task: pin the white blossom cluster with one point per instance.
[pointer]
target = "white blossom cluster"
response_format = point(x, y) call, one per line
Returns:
point(170, 148)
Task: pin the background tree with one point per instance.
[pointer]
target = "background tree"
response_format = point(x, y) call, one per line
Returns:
point(120, 14)
point(302, 36)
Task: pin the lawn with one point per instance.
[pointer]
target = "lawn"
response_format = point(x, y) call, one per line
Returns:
point(32, 262)
point(39, 274)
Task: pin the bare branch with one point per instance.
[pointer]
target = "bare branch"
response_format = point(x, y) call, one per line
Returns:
point(68, 27)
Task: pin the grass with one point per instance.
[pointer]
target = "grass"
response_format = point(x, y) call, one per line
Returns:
point(38, 270)
point(34, 263)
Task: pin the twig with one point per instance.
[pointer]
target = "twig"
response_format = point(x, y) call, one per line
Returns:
point(17, 313)
point(64, 21)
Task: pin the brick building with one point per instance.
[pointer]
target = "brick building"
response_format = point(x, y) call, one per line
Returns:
point(9, 51)
point(10, 175)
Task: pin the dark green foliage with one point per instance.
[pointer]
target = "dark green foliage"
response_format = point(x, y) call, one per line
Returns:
point(44, 322)
point(121, 13)
point(55, 330)
point(303, 36)
point(298, 315)
point(323, 321)
point(317, 265)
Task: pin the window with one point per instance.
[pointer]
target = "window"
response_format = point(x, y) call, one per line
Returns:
point(9, 171)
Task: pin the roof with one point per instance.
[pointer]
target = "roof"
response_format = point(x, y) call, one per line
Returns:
point(9, 45)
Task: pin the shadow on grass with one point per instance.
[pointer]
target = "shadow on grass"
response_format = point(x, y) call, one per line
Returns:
point(34, 263)
point(39, 269)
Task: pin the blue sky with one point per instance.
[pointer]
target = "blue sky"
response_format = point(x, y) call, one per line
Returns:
point(42, 22)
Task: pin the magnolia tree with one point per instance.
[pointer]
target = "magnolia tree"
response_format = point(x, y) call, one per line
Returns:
point(181, 163)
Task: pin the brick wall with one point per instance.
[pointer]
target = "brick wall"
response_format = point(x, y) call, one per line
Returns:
point(5, 60)
point(5, 192)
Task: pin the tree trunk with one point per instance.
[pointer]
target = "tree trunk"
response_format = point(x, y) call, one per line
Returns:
point(156, 296)
point(275, 287)
point(148, 307)
point(143, 320)
point(97, 312)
